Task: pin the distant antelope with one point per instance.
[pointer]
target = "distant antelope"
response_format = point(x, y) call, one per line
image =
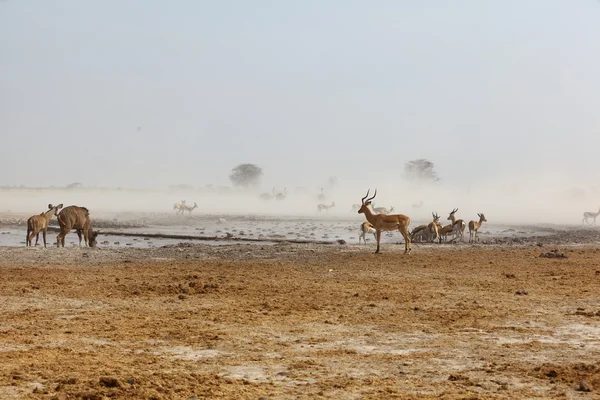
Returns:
point(383, 210)
point(475, 225)
point(366, 227)
point(382, 222)
point(39, 223)
point(433, 229)
point(325, 207)
point(355, 208)
point(189, 209)
point(458, 225)
point(267, 195)
point(74, 217)
point(590, 215)
point(282, 196)
point(177, 206)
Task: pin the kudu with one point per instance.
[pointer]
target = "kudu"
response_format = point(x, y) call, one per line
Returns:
point(382, 222)
point(39, 223)
point(74, 217)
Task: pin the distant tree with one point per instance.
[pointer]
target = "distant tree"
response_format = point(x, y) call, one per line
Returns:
point(246, 176)
point(420, 171)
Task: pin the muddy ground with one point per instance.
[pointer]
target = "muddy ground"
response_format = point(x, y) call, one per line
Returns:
point(291, 321)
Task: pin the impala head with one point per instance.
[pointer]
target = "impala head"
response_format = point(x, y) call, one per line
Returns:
point(452, 214)
point(481, 217)
point(366, 203)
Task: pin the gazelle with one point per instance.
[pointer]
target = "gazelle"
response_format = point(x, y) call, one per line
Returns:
point(189, 209)
point(383, 210)
point(325, 207)
point(458, 225)
point(433, 229)
point(365, 228)
point(282, 196)
point(267, 195)
point(474, 226)
point(590, 215)
point(382, 222)
point(74, 217)
point(39, 223)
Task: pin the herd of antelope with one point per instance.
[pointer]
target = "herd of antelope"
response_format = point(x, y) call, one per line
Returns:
point(380, 219)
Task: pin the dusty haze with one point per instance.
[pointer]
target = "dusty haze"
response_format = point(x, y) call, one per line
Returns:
point(501, 96)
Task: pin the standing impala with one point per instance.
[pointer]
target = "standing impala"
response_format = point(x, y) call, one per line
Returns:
point(433, 229)
point(474, 226)
point(382, 222)
point(458, 225)
point(590, 215)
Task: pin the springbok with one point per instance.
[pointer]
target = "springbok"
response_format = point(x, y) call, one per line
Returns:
point(382, 222)
point(177, 206)
point(458, 225)
point(433, 229)
point(74, 217)
point(39, 223)
point(267, 195)
point(365, 228)
point(590, 215)
point(282, 196)
point(189, 209)
point(325, 207)
point(474, 226)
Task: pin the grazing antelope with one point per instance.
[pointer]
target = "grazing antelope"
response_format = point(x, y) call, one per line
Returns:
point(177, 206)
point(189, 209)
point(282, 196)
point(458, 225)
point(433, 229)
point(74, 217)
point(355, 208)
point(322, 196)
point(365, 228)
point(39, 223)
point(383, 210)
point(267, 195)
point(325, 207)
point(590, 215)
point(382, 222)
point(420, 233)
point(474, 226)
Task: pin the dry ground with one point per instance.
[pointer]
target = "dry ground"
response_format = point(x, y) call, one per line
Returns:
point(299, 321)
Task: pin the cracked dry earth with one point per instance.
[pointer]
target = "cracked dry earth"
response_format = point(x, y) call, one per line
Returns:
point(299, 322)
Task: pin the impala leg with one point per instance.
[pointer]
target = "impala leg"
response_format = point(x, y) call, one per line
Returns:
point(44, 236)
point(378, 240)
point(407, 244)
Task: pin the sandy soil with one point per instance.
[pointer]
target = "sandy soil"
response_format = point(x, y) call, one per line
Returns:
point(300, 321)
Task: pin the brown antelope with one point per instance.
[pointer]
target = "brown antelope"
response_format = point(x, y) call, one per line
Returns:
point(282, 196)
point(74, 217)
point(325, 207)
point(39, 223)
point(187, 208)
point(365, 228)
point(433, 229)
point(420, 233)
point(590, 215)
point(267, 195)
point(458, 225)
point(444, 231)
point(382, 222)
point(474, 226)
point(383, 210)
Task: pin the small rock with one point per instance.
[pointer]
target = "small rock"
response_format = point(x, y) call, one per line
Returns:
point(522, 292)
point(584, 387)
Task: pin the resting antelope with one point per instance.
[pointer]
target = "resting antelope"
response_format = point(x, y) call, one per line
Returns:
point(325, 207)
point(365, 228)
point(474, 226)
point(590, 215)
point(383, 210)
point(382, 222)
point(267, 195)
point(189, 209)
point(433, 229)
point(458, 225)
point(39, 223)
point(282, 196)
point(74, 217)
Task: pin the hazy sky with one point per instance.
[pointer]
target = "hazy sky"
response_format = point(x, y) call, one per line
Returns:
point(305, 89)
